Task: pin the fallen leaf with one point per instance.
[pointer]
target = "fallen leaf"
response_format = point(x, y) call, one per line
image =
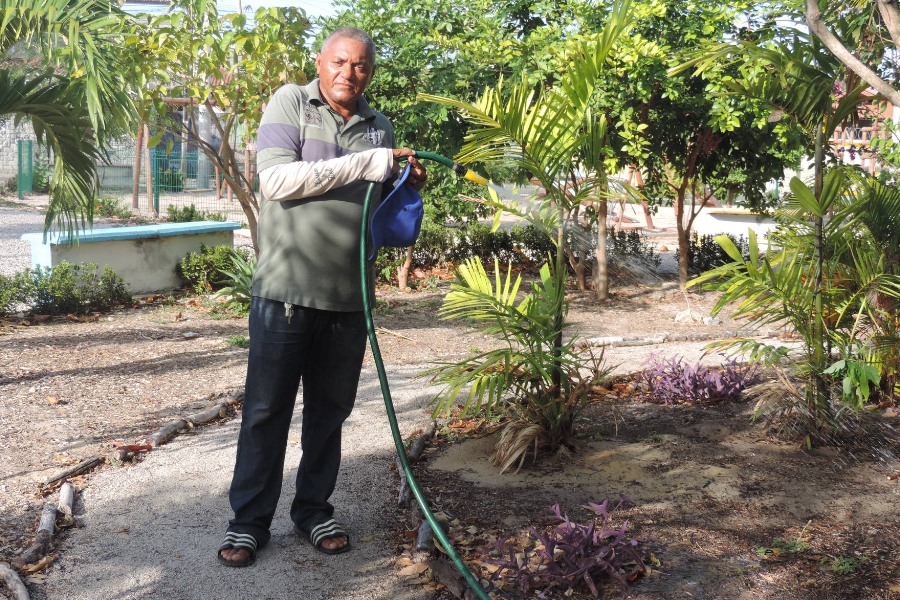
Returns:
point(134, 447)
point(125, 530)
point(39, 565)
point(403, 561)
point(413, 570)
point(36, 579)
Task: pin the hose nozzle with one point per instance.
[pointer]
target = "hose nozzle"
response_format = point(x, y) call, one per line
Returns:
point(457, 168)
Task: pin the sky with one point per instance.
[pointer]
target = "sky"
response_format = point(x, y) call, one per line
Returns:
point(313, 8)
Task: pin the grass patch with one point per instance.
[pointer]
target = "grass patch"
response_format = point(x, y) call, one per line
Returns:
point(238, 341)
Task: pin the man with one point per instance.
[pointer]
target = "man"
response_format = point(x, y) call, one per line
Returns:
point(319, 147)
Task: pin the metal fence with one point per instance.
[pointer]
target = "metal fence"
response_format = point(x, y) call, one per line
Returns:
point(151, 181)
point(146, 181)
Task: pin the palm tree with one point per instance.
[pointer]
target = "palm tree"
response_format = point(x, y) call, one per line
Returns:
point(796, 77)
point(74, 97)
point(555, 137)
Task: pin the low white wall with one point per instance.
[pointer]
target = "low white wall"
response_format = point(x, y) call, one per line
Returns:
point(734, 222)
point(145, 257)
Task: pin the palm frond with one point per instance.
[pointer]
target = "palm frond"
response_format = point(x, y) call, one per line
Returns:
point(61, 124)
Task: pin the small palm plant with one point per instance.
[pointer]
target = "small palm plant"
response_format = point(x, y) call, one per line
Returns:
point(555, 137)
point(859, 294)
point(542, 387)
point(238, 282)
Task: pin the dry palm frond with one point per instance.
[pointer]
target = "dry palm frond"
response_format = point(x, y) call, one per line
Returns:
point(515, 440)
point(777, 396)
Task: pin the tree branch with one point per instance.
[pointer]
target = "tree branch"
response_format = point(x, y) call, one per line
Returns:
point(891, 15)
point(835, 46)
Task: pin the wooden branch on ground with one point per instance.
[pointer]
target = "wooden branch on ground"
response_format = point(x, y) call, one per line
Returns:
point(206, 415)
point(13, 583)
point(425, 539)
point(64, 507)
point(446, 574)
point(216, 411)
point(167, 432)
point(42, 539)
point(418, 447)
point(82, 467)
point(414, 454)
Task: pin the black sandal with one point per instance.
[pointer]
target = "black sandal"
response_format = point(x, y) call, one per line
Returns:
point(328, 530)
point(238, 541)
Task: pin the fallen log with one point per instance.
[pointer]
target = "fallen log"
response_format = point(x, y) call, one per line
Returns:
point(425, 539)
point(167, 432)
point(445, 573)
point(13, 583)
point(42, 539)
point(216, 411)
point(82, 467)
point(418, 447)
point(206, 415)
point(64, 507)
point(413, 454)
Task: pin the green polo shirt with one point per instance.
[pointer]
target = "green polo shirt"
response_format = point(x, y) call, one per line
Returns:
point(309, 247)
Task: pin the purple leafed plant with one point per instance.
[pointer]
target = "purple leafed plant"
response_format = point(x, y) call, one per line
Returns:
point(571, 554)
point(671, 381)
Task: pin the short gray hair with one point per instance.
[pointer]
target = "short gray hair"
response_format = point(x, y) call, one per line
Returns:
point(353, 33)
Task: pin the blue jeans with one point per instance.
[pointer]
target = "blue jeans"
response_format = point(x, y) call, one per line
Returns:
point(324, 350)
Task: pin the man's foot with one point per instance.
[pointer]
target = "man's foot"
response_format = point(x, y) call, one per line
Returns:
point(328, 537)
point(335, 544)
point(238, 550)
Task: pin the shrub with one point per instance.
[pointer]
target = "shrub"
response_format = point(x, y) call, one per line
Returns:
point(13, 292)
point(626, 247)
point(571, 554)
point(705, 253)
point(203, 270)
point(40, 183)
point(72, 288)
point(107, 206)
point(670, 381)
point(170, 180)
point(187, 214)
point(238, 281)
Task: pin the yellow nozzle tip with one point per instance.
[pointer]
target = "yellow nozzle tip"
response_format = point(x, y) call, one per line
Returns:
point(472, 176)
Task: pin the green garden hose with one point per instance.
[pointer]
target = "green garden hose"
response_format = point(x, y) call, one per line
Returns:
point(382, 375)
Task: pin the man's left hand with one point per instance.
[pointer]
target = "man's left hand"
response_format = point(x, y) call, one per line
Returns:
point(417, 174)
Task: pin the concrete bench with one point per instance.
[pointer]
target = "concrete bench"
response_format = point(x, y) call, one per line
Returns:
point(145, 256)
point(734, 222)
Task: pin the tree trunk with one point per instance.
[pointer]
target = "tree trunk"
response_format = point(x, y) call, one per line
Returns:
point(403, 270)
point(683, 239)
point(601, 273)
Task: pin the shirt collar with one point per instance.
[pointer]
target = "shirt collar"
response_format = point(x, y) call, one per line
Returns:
point(363, 110)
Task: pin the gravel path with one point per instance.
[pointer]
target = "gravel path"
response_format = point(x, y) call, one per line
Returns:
point(150, 531)
point(15, 255)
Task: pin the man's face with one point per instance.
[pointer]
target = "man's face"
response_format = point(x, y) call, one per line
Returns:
point(345, 70)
